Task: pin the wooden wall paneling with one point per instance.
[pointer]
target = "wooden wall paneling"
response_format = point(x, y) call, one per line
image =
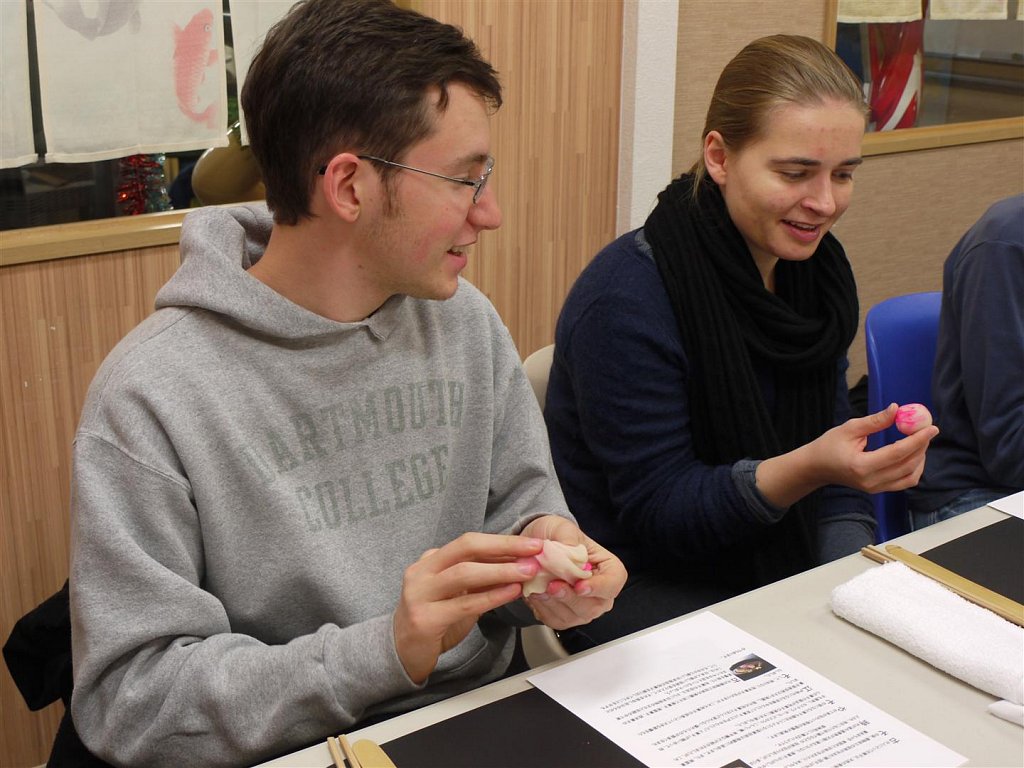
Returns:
point(59, 320)
point(710, 34)
point(556, 148)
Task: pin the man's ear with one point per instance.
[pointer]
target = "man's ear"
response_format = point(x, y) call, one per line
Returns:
point(715, 156)
point(342, 185)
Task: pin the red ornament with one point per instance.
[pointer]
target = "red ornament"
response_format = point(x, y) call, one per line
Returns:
point(142, 186)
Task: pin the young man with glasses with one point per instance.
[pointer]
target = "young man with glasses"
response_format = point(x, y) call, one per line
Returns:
point(308, 489)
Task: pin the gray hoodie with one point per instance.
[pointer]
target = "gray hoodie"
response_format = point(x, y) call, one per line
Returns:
point(251, 481)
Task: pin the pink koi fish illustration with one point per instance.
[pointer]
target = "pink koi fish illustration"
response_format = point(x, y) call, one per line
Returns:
point(194, 51)
point(110, 16)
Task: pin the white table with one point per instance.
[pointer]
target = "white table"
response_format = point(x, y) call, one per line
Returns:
point(794, 616)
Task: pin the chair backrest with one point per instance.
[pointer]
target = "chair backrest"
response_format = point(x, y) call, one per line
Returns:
point(540, 643)
point(538, 366)
point(900, 334)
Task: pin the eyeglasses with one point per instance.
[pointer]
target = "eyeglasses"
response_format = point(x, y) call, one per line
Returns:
point(477, 184)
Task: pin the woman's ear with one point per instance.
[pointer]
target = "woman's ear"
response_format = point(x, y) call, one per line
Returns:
point(715, 156)
point(341, 186)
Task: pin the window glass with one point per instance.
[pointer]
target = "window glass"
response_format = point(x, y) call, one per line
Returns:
point(55, 193)
point(937, 72)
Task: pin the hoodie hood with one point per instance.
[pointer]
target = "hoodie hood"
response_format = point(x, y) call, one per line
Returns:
point(218, 245)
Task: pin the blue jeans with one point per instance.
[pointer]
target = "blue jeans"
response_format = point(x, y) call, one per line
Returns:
point(965, 502)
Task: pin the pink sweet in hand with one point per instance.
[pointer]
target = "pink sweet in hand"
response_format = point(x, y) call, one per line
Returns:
point(912, 417)
point(558, 561)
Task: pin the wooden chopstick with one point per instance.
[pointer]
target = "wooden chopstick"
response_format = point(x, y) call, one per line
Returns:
point(871, 552)
point(1000, 605)
point(353, 761)
point(346, 757)
point(339, 761)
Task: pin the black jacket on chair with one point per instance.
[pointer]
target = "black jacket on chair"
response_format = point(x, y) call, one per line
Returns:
point(38, 656)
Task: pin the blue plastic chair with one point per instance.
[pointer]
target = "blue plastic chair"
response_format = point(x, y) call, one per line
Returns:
point(901, 335)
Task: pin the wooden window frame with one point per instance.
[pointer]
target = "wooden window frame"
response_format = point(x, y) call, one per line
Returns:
point(931, 136)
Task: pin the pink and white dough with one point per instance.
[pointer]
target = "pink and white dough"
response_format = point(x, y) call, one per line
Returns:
point(912, 417)
point(558, 561)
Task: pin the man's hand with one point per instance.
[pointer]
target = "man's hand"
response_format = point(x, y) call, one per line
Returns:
point(446, 591)
point(563, 606)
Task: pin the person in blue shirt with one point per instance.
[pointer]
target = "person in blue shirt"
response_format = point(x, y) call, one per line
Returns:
point(978, 383)
point(697, 404)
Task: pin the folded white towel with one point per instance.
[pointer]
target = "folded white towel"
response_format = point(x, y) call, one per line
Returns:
point(924, 618)
point(1008, 711)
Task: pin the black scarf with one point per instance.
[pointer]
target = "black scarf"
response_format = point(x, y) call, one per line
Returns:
point(728, 319)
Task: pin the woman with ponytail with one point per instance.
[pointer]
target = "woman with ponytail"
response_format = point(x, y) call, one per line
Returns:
point(697, 405)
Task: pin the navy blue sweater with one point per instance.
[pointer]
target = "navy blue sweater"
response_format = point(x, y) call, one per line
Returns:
point(978, 384)
point(618, 420)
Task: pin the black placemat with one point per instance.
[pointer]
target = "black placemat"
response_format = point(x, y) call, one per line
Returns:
point(992, 556)
point(531, 730)
point(525, 730)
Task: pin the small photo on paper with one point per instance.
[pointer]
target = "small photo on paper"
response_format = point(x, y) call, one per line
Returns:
point(751, 667)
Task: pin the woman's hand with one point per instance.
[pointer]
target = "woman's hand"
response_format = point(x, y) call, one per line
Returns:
point(893, 467)
point(839, 457)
